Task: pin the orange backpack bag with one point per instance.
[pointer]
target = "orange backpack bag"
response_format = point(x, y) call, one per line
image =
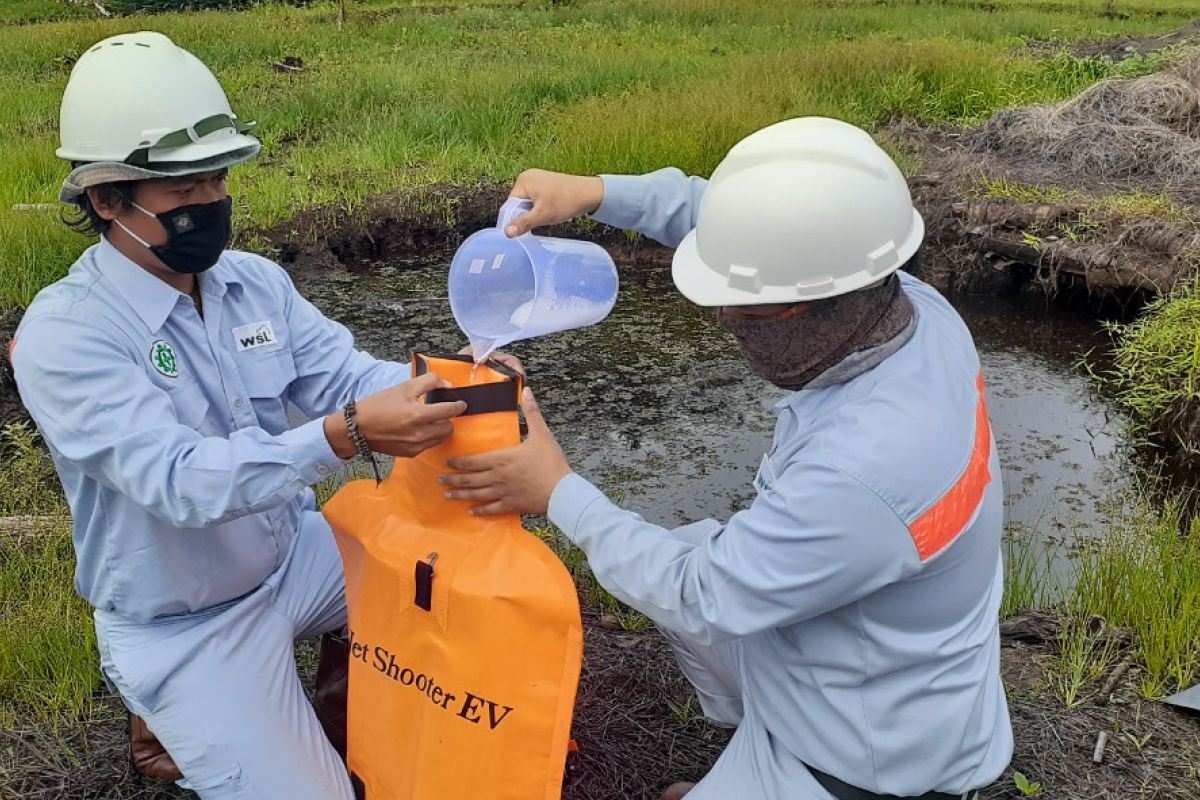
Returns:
point(466, 640)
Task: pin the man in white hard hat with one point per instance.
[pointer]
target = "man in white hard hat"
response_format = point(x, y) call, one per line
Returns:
point(160, 371)
point(847, 620)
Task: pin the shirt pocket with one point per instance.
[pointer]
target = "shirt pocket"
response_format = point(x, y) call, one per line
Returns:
point(191, 406)
point(266, 377)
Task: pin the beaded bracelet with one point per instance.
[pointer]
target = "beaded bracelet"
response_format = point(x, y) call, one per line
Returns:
point(359, 441)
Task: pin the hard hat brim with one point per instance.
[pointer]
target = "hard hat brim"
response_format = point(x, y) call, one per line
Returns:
point(204, 150)
point(187, 160)
point(706, 286)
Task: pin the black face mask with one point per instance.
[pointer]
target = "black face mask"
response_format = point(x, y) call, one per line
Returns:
point(196, 235)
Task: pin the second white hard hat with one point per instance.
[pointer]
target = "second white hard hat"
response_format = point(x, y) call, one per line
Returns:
point(801, 210)
point(139, 106)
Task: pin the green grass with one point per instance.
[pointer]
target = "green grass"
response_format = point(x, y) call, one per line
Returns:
point(31, 486)
point(47, 643)
point(404, 98)
point(1027, 571)
point(1143, 575)
point(1082, 662)
point(48, 662)
point(1155, 371)
point(29, 11)
point(1116, 207)
point(1146, 577)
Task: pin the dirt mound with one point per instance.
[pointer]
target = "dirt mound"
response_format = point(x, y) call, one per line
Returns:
point(1121, 48)
point(11, 409)
point(409, 226)
point(1099, 194)
point(1147, 127)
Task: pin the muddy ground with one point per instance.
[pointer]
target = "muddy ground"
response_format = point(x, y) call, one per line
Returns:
point(639, 730)
point(11, 409)
point(1041, 193)
point(1123, 47)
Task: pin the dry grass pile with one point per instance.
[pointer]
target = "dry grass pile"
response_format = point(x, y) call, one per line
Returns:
point(1118, 130)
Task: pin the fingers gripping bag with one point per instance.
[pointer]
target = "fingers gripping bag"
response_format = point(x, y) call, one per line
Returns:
point(466, 639)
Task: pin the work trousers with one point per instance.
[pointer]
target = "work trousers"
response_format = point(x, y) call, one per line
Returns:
point(219, 687)
point(754, 766)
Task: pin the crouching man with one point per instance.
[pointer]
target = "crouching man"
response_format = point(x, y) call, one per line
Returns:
point(160, 371)
point(847, 620)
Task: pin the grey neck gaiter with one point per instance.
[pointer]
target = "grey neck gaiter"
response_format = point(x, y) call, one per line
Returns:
point(792, 351)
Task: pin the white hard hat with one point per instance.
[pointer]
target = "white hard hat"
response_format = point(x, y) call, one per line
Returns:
point(138, 106)
point(801, 210)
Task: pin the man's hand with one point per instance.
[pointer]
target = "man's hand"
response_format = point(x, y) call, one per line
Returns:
point(510, 361)
point(556, 197)
point(519, 479)
point(396, 422)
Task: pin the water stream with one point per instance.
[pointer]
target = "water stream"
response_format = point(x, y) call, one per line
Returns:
point(656, 406)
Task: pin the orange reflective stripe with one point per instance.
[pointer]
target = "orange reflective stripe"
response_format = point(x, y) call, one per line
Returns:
point(948, 517)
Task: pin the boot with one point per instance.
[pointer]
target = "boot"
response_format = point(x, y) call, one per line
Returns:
point(329, 691)
point(676, 791)
point(147, 754)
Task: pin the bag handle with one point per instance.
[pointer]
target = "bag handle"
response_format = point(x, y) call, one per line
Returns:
point(484, 398)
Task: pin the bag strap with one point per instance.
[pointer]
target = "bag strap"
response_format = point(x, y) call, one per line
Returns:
point(484, 398)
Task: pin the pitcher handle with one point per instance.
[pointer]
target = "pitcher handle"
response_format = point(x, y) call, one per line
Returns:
point(513, 207)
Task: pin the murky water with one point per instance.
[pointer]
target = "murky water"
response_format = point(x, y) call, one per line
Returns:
point(656, 406)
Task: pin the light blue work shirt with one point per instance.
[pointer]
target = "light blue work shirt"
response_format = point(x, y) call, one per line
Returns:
point(864, 581)
point(170, 432)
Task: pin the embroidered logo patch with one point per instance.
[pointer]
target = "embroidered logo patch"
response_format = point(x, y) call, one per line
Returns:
point(183, 223)
point(764, 481)
point(162, 356)
point(256, 334)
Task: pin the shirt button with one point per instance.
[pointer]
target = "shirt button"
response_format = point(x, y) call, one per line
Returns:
point(322, 469)
point(238, 403)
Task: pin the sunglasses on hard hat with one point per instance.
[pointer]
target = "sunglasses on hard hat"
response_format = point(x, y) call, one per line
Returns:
point(179, 138)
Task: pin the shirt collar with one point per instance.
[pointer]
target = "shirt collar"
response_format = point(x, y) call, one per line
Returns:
point(221, 277)
point(150, 297)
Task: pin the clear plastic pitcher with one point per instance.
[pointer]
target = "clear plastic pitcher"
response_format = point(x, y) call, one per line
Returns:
point(503, 289)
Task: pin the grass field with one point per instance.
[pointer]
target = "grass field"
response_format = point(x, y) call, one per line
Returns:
point(407, 95)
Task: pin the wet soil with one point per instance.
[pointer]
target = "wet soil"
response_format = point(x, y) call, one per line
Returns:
point(998, 246)
point(1118, 137)
point(639, 730)
point(11, 409)
point(1012, 206)
point(1121, 48)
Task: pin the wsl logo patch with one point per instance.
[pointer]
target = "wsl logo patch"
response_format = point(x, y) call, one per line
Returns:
point(256, 334)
